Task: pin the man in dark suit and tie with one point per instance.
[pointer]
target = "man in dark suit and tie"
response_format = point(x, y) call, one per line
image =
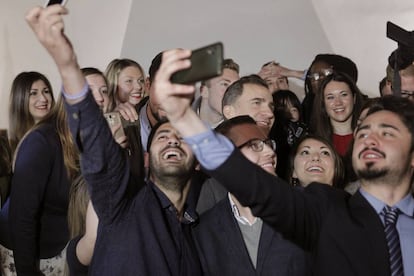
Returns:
point(369, 233)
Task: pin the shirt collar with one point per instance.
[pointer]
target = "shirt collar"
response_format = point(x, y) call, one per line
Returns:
point(243, 220)
point(189, 216)
point(217, 124)
point(406, 205)
point(145, 125)
point(197, 105)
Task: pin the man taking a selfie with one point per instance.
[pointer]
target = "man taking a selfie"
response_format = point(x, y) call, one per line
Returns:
point(142, 234)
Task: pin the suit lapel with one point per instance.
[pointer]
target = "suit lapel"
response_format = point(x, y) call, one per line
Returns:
point(266, 238)
point(373, 233)
point(233, 237)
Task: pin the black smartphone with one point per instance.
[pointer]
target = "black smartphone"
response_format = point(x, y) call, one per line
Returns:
point(206, 63)
point(53, 2)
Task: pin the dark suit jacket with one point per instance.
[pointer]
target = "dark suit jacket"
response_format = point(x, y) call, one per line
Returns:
point(222, 250)
point(211, 193)
point(344, 232)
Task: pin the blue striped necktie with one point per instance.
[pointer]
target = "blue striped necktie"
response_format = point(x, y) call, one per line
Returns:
point(393, 240)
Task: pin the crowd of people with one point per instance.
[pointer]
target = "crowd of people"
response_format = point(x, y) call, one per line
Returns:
point(240, 178)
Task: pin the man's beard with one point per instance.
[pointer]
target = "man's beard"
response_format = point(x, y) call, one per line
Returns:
point(369, 173)
point(172, 178)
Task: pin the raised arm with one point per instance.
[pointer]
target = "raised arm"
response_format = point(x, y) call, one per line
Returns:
point(176, 99)
point(268, 196)
point(48, 26)
point(274, 69)
point(103, 163)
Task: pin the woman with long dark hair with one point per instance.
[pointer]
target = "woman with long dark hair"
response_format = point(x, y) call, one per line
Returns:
point(336, 109)
point(46, 162)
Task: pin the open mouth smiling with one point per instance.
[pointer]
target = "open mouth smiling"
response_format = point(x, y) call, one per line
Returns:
point(172, 154)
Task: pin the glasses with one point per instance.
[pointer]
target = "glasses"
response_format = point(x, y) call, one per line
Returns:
point(407, 94)
point(257, 145)
point(320, 75)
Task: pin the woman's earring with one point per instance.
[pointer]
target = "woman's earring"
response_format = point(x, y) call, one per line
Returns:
point(295, 182)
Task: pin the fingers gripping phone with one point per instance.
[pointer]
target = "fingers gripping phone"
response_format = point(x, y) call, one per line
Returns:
point(114, 121)
point(206, 63)
point(53, 2)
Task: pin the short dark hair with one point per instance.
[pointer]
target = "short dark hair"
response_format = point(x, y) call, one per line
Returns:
point(155, 65)
point(402, 107)
point(382, 84)
point(235, 90)
point(229, 63)
point(227, 125)
point(86, 71)
point(153, 131)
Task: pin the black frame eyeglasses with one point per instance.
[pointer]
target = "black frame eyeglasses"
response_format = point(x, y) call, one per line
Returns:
point(320, 75)
point(257, 145)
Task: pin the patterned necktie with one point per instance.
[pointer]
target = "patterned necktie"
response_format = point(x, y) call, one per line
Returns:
point(393, 240)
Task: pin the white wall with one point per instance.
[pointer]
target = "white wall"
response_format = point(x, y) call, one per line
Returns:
point(291, 32)
point(357, 29)
point(96, 28)
point(253, 32)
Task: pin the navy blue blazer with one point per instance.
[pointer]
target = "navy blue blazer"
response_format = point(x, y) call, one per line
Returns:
point(137, 234)
point(222, 250)
point(344, 232)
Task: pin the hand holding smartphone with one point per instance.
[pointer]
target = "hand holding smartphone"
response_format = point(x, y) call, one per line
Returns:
point(206, 63)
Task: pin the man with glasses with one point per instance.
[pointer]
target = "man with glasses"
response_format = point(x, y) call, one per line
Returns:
point(229, 239)
point(321, 75)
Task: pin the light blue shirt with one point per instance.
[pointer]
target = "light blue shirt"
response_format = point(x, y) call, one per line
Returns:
point(145, 126)
point(210, 148)
point(405, 226)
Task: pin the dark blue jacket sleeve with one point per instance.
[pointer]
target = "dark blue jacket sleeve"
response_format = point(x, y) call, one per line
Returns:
point(33, 167)
point(103, 161)
point(297, 214)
